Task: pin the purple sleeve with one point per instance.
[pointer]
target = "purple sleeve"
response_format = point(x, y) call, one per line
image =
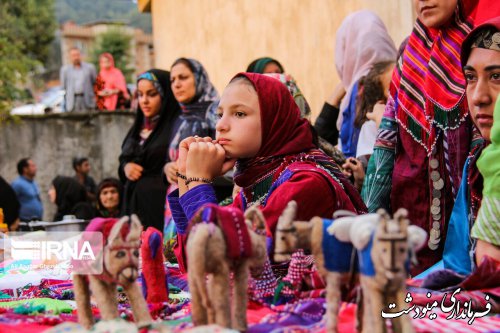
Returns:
point(185, 207)
point(193, 199)
point(180, 219)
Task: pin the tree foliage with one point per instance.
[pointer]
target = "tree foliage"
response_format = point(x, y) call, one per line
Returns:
point(81, 11)
point(26, 31)
point(116, 42)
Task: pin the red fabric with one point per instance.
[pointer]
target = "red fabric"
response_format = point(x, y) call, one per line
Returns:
point(232, 223)
point(284, 132)
point(180, 251)
point(24, 327)
point(113, 79)
point(486, 10)
point(152, 267)
point(302, 187)
point(431, 76)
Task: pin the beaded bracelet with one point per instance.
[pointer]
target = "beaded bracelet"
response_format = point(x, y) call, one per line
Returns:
point(198, 179)
point(180, 175)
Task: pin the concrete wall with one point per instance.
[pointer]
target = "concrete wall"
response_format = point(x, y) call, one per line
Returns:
point(227, 35)
point(52, 142)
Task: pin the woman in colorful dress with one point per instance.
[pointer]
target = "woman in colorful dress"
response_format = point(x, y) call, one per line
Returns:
point(425, 135)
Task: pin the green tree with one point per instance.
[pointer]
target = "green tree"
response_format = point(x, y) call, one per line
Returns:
point(26, 31)
point(85, 11)
point(116, 42)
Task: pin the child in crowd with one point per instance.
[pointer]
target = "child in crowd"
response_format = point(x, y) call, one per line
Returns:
point(261, 133)
point(372, 96)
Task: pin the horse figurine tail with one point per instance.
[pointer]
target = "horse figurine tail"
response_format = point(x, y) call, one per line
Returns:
point(154, 276)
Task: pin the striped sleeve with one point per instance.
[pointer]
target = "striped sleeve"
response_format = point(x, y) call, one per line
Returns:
point(377, 185)
point(487, 225)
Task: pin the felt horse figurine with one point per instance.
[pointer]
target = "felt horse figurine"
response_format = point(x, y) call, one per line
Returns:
point(154, 278)
point(385, 248)
point(120, 258)
point(223, 240)
point(332, 257)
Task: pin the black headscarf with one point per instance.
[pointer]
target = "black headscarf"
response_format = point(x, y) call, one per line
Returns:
point(71, 198)
point(9, 202)
point(132, 151)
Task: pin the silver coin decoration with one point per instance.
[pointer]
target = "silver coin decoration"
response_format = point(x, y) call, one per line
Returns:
point(434, 163)
point(439, 184)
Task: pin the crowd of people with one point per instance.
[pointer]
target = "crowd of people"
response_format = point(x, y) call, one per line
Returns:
point(77, 196)
point(407, 127)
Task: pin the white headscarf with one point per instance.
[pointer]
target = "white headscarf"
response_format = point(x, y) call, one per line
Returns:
point(362, 40)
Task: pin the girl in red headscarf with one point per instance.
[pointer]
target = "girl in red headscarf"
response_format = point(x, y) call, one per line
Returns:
point(110, 84)
point(275, 155)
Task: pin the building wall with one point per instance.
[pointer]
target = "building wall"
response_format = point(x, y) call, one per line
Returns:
point(227, 35)
point(52, 142)
point(141, 57)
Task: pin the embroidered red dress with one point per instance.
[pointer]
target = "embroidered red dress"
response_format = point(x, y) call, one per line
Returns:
point(287, 167)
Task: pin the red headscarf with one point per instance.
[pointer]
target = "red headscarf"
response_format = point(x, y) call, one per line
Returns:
point(113, 79)
point(284, 132)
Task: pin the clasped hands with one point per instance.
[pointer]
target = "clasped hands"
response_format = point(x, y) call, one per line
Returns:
point(202, 158)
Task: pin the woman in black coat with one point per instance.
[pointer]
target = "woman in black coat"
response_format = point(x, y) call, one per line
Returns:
point(144, 149)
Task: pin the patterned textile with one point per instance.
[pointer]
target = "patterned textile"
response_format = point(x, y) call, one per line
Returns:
point(262, 288)
point(430, 84)
point(205, 90)
point(483, 29)
point(232, 224)
point(378, 181)
point(488, 39)
point(289, 82)
point(425, 135)
point(304, 315)
point(296, 270)
point(151, 76)
point(195, 114)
